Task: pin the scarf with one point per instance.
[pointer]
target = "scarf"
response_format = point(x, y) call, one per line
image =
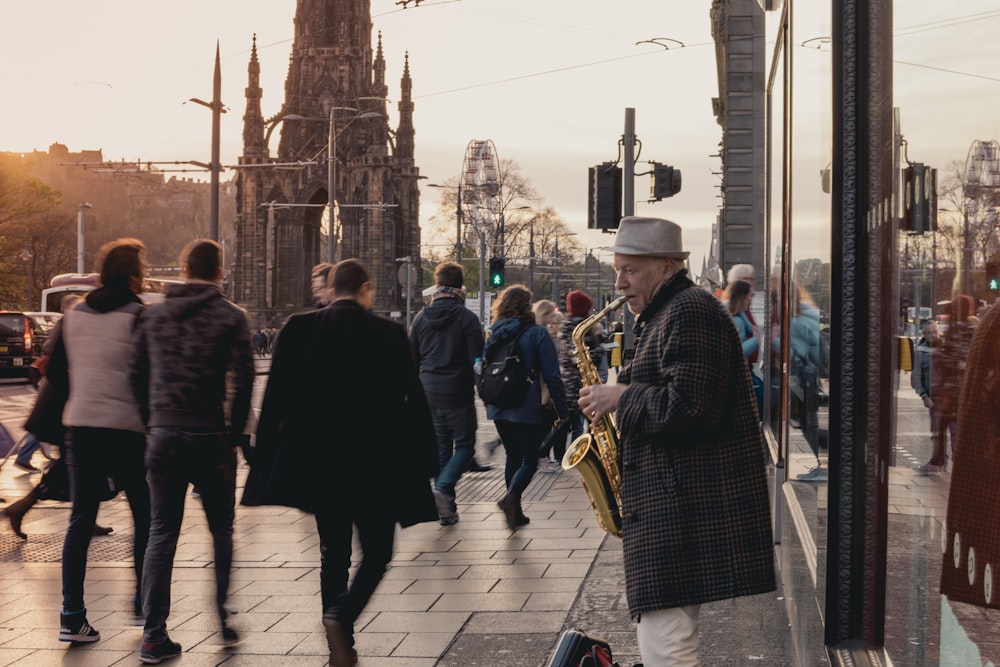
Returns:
point(456, 293)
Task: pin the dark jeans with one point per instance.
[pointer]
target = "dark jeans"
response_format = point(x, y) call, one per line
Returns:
point(555, 440)
point(175, 458)
point(92, 456)
point(521, 441)
point(376, 532)
point(455, 429)
point(30, 445)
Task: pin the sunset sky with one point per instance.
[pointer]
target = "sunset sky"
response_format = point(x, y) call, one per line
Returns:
point(548, 82)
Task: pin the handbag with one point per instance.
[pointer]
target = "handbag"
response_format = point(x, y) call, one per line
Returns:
point(45, 419)
point(54, 484)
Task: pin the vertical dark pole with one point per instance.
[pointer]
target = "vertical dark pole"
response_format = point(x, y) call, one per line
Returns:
point(531, 256)
point(213, 228)
point(458, 222)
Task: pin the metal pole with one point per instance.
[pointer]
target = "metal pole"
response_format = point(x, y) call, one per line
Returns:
point(482, 277)
point(966, 250)
point(531, 256)
point(586, 266)
point(215, 167)
point(458, 222)
point(503, 251)
point(555, 280)
point(79, 236)
point(409, 288)
point(628, 168)
point(628, 207)
point(331, 196)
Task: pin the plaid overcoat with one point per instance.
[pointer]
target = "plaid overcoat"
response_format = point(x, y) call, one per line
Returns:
point(696, 522)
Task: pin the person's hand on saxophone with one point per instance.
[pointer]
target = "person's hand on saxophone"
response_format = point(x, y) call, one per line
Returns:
point(599, 400)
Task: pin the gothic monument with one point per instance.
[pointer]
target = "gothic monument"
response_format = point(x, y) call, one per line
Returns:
point(335, 97)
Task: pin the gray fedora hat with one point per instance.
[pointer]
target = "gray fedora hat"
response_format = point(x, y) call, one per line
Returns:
point(653, 237)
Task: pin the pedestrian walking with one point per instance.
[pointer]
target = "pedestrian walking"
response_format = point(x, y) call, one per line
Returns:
point(185, 347)
point(578, 307)
point(447, 340)
point(345, 433)
point(923, 360)
point(319, 279)
point(554, 444)
point(89, 363)
point(743, 272)
point(44, 428)
point(946, 381)
point(523, 426)
point(695, 511)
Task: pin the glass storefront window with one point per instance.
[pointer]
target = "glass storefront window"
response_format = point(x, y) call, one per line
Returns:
point(931, 365)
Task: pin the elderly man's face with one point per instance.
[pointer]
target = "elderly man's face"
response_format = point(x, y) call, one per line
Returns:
point(640, 278)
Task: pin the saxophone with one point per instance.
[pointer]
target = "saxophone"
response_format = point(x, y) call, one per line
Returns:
point(595, 455)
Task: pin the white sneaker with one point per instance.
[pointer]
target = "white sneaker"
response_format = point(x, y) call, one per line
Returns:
point(817, 474)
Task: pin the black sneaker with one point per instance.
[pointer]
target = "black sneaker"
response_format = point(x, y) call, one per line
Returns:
point(152, 653)
point(230, 637)
point(75, 628)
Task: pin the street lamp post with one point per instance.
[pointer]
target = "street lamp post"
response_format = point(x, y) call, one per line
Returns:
point(555, 279)
point(215, 166)
point(531, 256)
point(79, 235)
point(29, 258)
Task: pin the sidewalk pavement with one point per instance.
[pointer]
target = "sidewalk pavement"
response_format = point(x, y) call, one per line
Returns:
point(468, 594)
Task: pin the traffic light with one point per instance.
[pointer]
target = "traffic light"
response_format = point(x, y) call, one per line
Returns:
point(665, 182)
point(919, 198)
point(496, 272)
point(604, 194)
point(993, 275)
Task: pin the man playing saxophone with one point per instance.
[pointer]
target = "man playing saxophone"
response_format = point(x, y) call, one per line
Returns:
point(694, 503)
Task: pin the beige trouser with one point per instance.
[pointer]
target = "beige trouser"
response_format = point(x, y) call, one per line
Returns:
point(669, 637)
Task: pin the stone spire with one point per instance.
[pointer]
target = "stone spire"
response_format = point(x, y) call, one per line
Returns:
point(253, 120)
point(405, 131)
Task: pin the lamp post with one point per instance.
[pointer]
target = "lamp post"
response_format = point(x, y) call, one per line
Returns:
point(29, 258)
point(79, 235)
point(215, 166)
point(331, 167)
point(531, 256)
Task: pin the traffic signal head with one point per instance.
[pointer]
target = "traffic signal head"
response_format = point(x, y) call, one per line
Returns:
point(666, 182)
point(993, 275)
point(604, 196)
point(496, 272)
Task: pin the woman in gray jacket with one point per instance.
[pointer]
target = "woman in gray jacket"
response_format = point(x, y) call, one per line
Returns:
point(105, 452)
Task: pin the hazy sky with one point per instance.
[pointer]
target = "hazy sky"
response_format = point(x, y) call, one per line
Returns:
point(548, 82)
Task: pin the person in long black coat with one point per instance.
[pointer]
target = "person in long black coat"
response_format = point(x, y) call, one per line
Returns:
point(345, 433)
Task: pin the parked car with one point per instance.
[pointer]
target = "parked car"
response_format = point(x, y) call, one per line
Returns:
point(22, 336)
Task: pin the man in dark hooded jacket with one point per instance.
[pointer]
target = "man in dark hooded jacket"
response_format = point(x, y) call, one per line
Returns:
point(183, 350)
point(447, 339)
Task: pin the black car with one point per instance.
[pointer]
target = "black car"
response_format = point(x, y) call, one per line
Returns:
point(22, 337)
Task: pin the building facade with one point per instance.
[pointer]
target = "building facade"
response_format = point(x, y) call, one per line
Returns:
point(336, 98)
